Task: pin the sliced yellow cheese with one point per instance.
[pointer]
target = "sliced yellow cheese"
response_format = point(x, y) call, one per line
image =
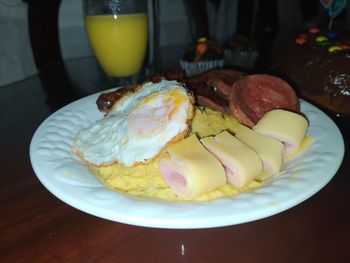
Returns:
point(241, 163)
point(285, 126)
point(269, 150)
point(190, 170)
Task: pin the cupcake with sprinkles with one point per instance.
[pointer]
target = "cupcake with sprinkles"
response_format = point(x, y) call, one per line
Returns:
point(240, 51)
point(203, 55)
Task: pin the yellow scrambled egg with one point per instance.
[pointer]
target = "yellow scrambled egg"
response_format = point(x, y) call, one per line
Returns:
point(146, 181)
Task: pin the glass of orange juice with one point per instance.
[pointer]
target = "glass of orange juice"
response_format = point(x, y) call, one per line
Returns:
point(118, 34)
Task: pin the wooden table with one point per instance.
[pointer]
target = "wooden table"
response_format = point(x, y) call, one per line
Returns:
point(37, 227)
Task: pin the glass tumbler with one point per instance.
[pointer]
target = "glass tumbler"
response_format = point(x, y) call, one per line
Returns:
point(118, 35)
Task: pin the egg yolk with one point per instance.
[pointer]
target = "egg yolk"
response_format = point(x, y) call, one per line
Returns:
point(153, 114)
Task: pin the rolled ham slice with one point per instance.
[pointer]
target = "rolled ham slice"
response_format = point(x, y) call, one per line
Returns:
point(190, 170)
point(241, 163)
point(286, 126)
point(269, 149)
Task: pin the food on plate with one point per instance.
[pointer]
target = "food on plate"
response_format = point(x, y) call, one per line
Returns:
point(208, 122)
point(286, 126)
point(269, 149)
point(146, 181)
point(318, 62)
point(212, 89)
point(242, 164)
point(154, 142)
point(254, 95)
point(190, 170)
point(247, 97)
point(139, 126)
point(107, 100)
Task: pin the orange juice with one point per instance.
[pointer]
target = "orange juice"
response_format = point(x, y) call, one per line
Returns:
point(119, 43)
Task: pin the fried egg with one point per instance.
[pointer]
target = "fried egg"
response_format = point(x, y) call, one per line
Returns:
point(139, 127)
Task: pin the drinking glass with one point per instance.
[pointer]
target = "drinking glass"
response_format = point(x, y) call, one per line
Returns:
point(118, 35)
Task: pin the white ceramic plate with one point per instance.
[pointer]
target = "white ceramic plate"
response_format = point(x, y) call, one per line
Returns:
point(64, 176)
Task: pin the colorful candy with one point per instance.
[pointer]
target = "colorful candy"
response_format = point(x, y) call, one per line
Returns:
point(201, 47)
point(331, 34)
point(314, 30)
point(321, 39)
point(300, 40)
point(345, 46)
point(334, 49)
point(325, 43)
point(328, 40)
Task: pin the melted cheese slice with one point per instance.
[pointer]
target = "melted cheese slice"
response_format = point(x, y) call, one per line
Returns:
point(190, 170)
point(241, 163)
point(269, 149)
point(285, 126)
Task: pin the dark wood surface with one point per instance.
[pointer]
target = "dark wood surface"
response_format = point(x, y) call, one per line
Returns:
point(37, 227)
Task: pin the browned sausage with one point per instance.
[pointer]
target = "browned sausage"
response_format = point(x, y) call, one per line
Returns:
point(106, 101)
point(212, 89)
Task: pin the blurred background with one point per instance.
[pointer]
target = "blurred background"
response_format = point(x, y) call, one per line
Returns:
point(35, 33)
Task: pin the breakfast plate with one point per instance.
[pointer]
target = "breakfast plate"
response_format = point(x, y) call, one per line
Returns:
point(63, 174)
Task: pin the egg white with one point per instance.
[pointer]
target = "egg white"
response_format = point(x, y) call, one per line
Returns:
point(137, 128)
